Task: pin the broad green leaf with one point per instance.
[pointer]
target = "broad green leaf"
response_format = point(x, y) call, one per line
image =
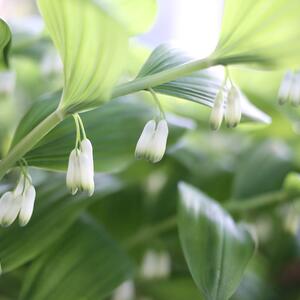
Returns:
point(137, 15)
point(5, 41)
point(85, 264)
point(216, 249)
point(200, 87)
point(92, 46)
point(55, 211)
point(262, 170)
point(114, 129)
point(260, 32)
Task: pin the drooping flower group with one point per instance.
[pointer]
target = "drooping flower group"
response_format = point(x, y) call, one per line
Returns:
point(80, 173)
point(231, 108)
point(153, 141)
point(289, 91)
point(19, 202)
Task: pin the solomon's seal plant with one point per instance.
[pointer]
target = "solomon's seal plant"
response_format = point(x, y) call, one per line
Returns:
point(91, 209)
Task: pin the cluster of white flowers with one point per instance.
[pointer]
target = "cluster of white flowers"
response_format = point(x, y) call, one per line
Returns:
point(153, 141)
point(19, 202)
point(80, 173)
point(232, 110)
point(289, 90)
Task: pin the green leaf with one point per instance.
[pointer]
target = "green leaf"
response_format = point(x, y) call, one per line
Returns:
point(86, 264)
point(138, 16)
point(200, 87)
point(114, 129)
point(216, 249)
point(5, 41)
point(262, 170)
point(55, 211)
point(175, 289)
point(261, 33)
point(92, 46)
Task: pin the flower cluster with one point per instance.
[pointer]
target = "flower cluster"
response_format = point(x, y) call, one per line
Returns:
point(80, 173)
point(19, 202)
point(153, 141)
point(289, 90)
point(232, 110)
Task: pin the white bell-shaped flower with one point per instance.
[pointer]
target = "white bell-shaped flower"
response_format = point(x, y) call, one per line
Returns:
point(145, 139)
point(159, 142)
point(19, 202)
point(285, 88)
point(27, 205)
point(5, 202)
point(86, 163)
point(217, 113)
point(80, 173)
point(233, 111)
point(294, 93)
point(73, 172)
point(153, 141)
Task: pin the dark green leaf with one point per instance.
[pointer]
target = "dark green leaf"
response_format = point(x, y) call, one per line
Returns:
point(86, 264)
point(216, 249)
point(262, 170)
point(54, 213)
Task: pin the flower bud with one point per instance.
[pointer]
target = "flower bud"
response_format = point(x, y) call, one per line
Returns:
point(217, 113)
point(72, 178)
point(86, 162)
point(233, 112)
point(27, 206)
point(13, 210)
point(285, 87)
point(294, 94)
point(145, 139)
point(86, 174)
point(158, 144)
point(5, 201)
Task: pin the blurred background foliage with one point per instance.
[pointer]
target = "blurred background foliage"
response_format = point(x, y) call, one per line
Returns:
point(72, 247)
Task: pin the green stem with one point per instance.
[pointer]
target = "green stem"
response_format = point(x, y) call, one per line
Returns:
point(258, 202)
point(29, 141)
point(151, 81)
point(136, 85)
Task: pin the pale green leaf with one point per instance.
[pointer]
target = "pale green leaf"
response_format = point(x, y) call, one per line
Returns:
point(55, 211)
point(5, 41)
point(86, 264)
point(92, 46)
point(200, 87)
point(138, 16)
point(216, 249)
point(260, 32)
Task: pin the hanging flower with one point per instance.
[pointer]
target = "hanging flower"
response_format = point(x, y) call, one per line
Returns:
point(289, 90)
point(217, 112)
point(285, 87)
point(233, 112)
point(19, 202)
point(153, 141)
point(80, 173)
